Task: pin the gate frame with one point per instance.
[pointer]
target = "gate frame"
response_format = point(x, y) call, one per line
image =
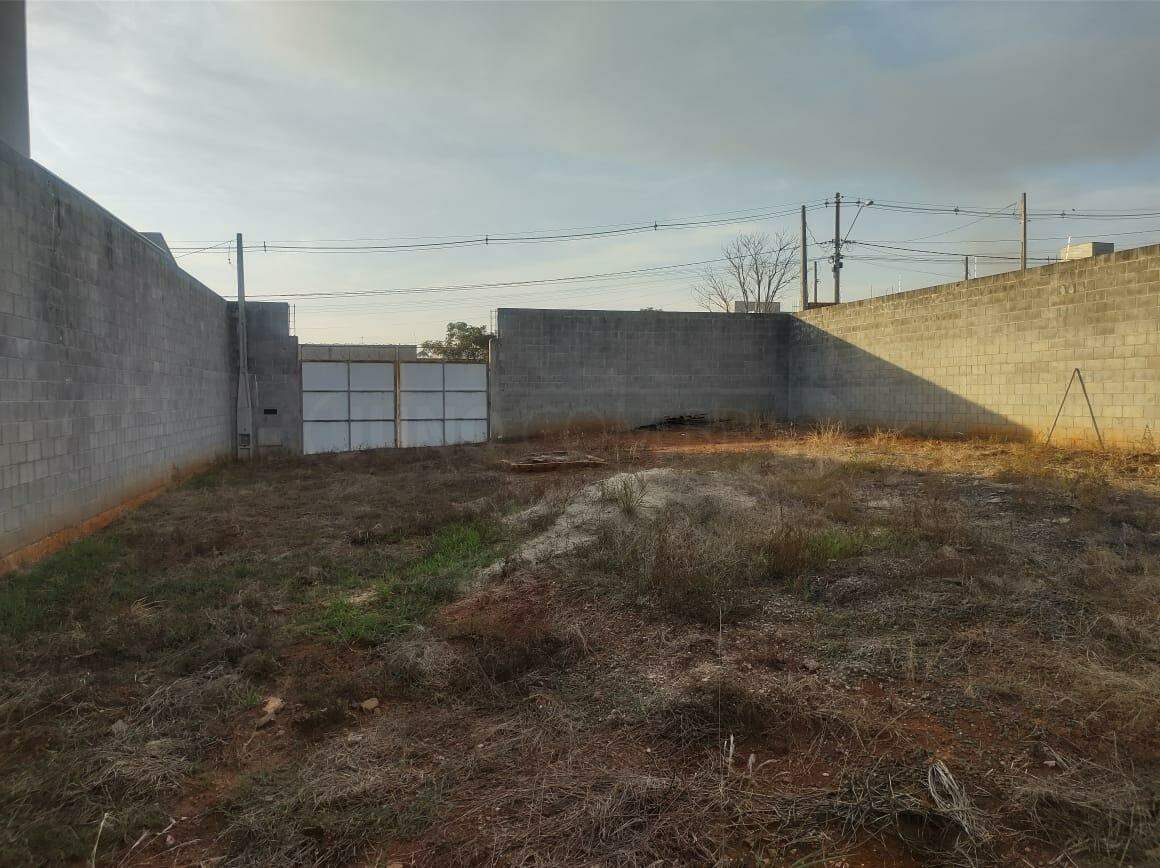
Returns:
point(397, 364)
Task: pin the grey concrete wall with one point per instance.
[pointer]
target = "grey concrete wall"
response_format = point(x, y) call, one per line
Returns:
point(13, 77)
point(115, 370)
point(992, 354)
point(275, 374)
point(555, 369)
point(358, 352)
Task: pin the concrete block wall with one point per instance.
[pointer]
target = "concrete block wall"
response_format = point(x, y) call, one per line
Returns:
point(358, 352)
point(115, 371)
point(555, 369)
point(275, 375)
point(992, 354)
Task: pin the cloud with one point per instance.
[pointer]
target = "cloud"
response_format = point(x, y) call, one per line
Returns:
point(927, 90)
point(325, 120)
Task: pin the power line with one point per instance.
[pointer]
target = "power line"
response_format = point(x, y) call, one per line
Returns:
point(736, 213)
point(959, 254)
point(201, 249)
point(1153, 230)
point(653, 269)
point(1132, 213)
point(488, 239)
point(494, 285)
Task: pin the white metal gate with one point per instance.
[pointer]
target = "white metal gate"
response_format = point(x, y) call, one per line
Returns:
point(352, 405)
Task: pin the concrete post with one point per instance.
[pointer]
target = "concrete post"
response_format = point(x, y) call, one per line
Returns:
point(14, 78)
point(805, 265)
point(245, 399)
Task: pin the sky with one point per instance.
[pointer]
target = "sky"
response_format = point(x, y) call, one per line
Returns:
point(352, 125)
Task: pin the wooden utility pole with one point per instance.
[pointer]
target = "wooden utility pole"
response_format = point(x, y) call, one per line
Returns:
point(1023, 232)
point(837, 248)
point(805, 265)
point(245, 404)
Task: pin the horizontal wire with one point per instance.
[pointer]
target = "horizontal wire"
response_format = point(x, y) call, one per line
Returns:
point(511, 238)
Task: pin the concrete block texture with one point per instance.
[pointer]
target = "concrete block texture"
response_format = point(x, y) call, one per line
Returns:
point(556, 369)
point(275, 373)
point(990, 355)
point(115, 370)
point(993, 355)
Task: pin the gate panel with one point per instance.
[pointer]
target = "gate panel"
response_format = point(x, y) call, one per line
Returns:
point(421, 432)
point(465, 431)
point(372, 435)
point(354, 405)
point(325, 406)
point(325, 437)
point(324, 376)
point(372, 405)
point(465, 405)
point(421, 405)
point(372, 376)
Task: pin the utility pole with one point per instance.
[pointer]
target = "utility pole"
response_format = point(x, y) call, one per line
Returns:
point(245, 404)
point(837, 248)
point(815, 282)
point(805, 265)
point(1023, 222)
point(966, 268)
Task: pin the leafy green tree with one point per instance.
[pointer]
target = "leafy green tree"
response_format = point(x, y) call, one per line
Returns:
point(463, 342)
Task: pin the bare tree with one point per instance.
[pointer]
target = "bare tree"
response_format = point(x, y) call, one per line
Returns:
point(758, 268)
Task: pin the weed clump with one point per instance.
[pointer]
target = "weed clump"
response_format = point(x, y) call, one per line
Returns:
point(701, 567)
point(626, 491)
point(403, 600)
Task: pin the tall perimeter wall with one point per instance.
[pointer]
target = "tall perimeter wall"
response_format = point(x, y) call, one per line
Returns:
point(992, 355)
point(115, 368)
point(554, 369)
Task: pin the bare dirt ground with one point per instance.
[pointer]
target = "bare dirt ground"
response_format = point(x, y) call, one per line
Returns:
point(727, 646)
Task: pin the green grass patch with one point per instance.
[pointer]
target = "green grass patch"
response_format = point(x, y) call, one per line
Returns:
point(455, 550)
point(405, 599)
point(44, 594)
point(838, 543)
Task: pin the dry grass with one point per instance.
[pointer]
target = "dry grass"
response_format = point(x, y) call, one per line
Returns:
point(893, 650)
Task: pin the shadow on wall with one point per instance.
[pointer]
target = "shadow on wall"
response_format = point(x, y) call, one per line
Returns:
point(833, 380)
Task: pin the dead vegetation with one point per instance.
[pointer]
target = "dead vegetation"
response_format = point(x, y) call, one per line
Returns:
point(734, 646)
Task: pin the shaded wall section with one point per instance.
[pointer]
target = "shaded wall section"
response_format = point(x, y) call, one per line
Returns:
point(557, 369)
point(993, 354)
point(275, 374)
point(115, 367)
